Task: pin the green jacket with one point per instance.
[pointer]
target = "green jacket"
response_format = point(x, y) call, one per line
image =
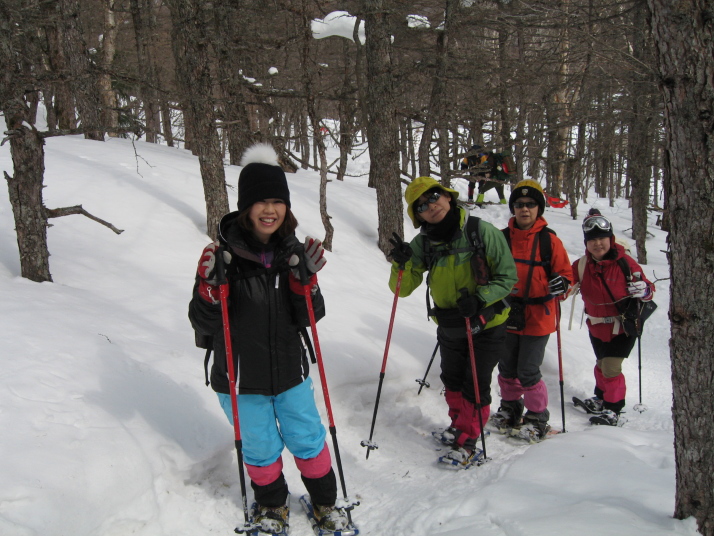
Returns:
point(450, 273)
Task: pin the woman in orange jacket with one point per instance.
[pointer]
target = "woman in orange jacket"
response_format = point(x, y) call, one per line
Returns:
point(544, 274)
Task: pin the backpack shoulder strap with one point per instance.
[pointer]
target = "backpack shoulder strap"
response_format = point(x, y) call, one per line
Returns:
point(507, 234)
point(546, 250)
point(473, 232)
point(625, 267)
point(581, 267)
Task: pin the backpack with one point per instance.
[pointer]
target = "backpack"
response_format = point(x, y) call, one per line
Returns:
point(633, 312)
point(503, 167)
point(479, 263)
point(546, 255)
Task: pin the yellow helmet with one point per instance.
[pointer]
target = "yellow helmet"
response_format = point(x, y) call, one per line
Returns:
point(415, 190)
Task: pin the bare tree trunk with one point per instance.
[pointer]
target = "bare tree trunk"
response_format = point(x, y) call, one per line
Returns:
point(684, 42)
point(230, 50)
point(143, 29)
point(308, 83)
point(382, 125)
point(189, 39)
point(435, 117)
point(107, 95)
point(82, 77)
point(25, 189)
point(62, 102)
point(26, 145)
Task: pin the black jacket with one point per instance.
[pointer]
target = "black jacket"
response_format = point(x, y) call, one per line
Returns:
point(265, 317)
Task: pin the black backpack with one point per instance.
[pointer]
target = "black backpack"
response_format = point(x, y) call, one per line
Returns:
point(546, 254)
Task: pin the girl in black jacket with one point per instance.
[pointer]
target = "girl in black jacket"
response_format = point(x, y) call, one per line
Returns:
point(267, 309)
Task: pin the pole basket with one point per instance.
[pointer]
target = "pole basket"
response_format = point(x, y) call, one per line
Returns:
point(371, 445)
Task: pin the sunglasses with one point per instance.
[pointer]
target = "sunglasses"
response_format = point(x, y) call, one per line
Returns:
point(527, 204)
point(601, 222)
point(433, 198)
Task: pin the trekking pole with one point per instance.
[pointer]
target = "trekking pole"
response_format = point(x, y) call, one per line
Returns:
point(423, 383)
point(477, 394)
point(305, 282)
point(560, 363)
point(639, 407)
point(223, 292)
point(368, 442)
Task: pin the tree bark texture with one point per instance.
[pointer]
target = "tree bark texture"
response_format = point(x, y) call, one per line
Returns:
point(26, 146)
point(25, 190)
point(382, 126)
point(190, 43)
point(684, 41)
point(81, 75)
point(107, 95)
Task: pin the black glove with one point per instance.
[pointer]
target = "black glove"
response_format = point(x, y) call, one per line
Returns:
point(469, 305)
point(401, 252)
point(558, 285)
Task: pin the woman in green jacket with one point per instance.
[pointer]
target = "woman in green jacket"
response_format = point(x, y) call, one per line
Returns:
point(470, 272)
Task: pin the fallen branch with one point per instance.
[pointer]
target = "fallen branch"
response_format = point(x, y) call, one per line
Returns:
point(67, 211)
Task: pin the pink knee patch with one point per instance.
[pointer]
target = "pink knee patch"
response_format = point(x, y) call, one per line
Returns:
point(599, 379)
point(265, 475)
point(535, 398)
point(614, 389)
point(511, 388)
point(468, 421)
point(315, 467)
point(454, 401)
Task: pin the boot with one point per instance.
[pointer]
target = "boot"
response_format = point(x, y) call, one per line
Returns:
point(508, 415)
point(535, 426)
point(462, 457)
point(330, 518)
point(272, 519)
point(448, 436)
point(479, 199)
point(594, 405)
point(607, 417)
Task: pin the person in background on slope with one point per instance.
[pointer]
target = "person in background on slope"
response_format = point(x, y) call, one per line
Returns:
point(603, 285)
point(267, 309)
point(541, 282)
point(462, 285)
point(482, 164)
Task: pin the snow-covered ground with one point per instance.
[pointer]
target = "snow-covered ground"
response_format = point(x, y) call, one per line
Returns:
point(108, 429)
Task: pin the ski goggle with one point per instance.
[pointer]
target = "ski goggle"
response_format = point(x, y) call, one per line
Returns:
point(527, 204)
point(599, 222)
point(433, 198)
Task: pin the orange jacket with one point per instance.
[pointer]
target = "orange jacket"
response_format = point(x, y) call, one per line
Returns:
point(541, 317)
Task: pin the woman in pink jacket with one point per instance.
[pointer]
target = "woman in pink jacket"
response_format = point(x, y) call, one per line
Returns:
point(606, 292)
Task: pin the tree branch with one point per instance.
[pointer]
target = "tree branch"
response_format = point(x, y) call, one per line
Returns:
point(66, 211)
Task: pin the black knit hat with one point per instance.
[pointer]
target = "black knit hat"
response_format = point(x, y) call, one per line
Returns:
point(595, 225)
point(528, 188)
point(261, 177)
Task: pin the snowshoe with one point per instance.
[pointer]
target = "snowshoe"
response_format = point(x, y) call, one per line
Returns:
point(269, 521)
point(508, 416)
point(535, 426)
point(447, 436)
point(531, 433)
point(328, 520)
point(462, 458)
point(590, 405)
point(608, 418)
